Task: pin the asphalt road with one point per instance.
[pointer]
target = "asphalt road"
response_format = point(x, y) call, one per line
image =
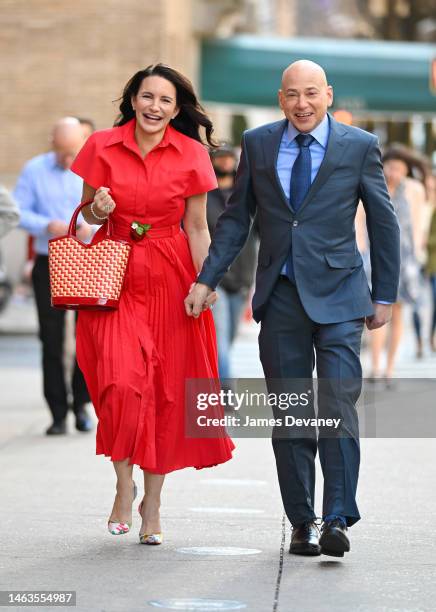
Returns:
point(56, 496)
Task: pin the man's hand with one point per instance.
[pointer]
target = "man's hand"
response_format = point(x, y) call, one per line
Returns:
point(84, 232)
point(57, 228)
point(198, 299)
point(382, 315)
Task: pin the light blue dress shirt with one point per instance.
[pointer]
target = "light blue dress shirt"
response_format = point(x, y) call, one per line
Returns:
point(44, 192)
point(289, 150)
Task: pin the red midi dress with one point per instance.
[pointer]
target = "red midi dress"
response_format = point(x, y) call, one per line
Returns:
point(137, 358)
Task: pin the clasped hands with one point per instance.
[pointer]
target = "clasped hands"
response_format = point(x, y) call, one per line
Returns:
point(199, 298)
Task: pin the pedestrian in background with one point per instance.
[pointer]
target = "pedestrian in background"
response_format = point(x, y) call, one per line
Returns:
point(88, 126)
point(235, 285)
point(419, 196)
point(153, 169)
point(9, 213)
point(431, 271)
point(407, 199)
point(9, 218)
point(47, 193)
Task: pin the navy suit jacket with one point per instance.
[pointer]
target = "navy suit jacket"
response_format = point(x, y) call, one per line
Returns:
point(328, 267)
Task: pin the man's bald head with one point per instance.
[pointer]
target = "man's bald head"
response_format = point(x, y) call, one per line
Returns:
point(67, 140)
point(305, 94)
point(305, 69)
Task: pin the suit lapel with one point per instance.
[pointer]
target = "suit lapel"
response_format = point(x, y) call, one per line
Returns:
point(336, 147)
point(271, 144)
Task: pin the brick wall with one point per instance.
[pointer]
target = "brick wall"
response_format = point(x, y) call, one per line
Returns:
point(72, 57)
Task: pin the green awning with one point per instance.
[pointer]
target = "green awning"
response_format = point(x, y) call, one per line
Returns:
point(366, 75)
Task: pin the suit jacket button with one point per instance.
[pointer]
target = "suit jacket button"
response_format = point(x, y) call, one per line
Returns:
point(295, 223)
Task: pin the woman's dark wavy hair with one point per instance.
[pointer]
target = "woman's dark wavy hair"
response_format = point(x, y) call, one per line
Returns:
point(191, 114)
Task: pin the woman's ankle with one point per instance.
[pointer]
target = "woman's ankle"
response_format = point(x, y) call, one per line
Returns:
point(150, 507)
point(124, 487)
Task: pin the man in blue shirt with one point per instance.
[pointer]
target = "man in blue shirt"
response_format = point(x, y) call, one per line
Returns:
point(48, 193)
point(303, 178)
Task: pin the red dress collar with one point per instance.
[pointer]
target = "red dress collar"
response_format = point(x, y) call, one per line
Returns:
point(126, 134)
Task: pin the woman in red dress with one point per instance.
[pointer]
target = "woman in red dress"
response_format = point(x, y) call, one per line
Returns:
point(137, 358)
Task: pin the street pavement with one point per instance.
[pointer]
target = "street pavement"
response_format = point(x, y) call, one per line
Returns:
point(225, 547)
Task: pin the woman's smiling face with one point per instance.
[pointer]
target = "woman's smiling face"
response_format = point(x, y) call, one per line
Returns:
point(155, 104)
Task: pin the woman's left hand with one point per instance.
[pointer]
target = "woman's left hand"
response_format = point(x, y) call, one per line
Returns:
point(210, 300)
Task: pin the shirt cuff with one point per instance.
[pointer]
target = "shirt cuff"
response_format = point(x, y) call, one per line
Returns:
point(382, 302)
point(35, 224)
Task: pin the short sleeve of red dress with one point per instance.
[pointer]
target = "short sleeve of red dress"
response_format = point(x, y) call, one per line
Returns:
point(89, 164)
point(202, 177)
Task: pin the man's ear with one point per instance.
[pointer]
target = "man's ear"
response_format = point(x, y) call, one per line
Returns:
point(280, 96)
point(330, 95)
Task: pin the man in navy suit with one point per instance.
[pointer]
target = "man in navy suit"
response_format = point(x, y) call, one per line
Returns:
point(303, 177)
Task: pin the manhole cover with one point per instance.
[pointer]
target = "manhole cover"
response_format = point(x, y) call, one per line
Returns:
point(198, 604)
point(236, 482)
point(228, 510)
point(218, 550)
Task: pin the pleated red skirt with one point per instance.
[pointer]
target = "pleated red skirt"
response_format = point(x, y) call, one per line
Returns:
point(137, 358)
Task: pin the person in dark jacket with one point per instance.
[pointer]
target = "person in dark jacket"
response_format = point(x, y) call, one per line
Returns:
point(303, 178)
point(235, 286)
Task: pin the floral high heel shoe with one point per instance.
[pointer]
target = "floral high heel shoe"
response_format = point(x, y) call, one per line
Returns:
point(117, 528)
point(152, 539)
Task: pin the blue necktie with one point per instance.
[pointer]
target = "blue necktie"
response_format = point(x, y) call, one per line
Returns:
point(301, 178)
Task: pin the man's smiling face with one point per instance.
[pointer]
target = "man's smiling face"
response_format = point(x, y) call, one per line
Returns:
point(305, 95)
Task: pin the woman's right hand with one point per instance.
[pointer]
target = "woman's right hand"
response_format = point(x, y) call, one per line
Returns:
point(103, 203)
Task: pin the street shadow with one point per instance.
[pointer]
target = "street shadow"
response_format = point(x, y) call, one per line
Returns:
point(330, 564)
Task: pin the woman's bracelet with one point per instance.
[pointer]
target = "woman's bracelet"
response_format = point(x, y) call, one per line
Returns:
point(91, 208)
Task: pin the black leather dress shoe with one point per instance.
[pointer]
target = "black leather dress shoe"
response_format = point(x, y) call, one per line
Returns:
point(305, 540)
point(83, 422)
point(334, 540)
point(57, 429)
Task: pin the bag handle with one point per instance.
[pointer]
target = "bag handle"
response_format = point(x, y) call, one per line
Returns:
point(73, 223)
